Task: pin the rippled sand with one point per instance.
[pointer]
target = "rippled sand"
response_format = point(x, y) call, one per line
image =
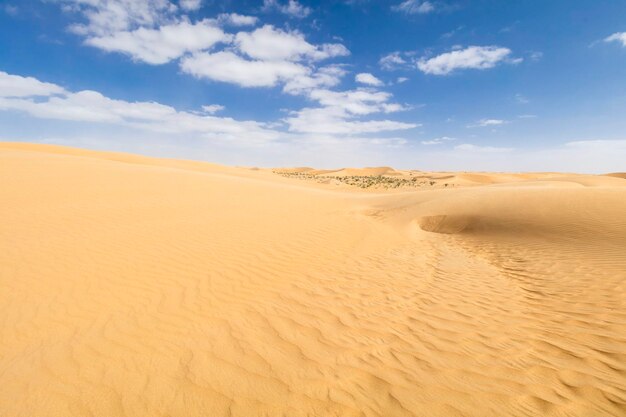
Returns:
point(132, 286)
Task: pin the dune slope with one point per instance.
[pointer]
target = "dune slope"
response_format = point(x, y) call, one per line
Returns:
point(132, 286)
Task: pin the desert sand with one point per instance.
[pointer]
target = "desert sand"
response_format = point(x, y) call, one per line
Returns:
point(135, 286)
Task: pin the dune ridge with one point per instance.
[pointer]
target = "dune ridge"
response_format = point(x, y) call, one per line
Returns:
point(134, 286)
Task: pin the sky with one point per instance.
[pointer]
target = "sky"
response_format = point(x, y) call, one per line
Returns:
point(482, 85)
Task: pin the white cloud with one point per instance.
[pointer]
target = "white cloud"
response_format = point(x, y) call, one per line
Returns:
point(598, 144)
point(527, 116)
point(488, 122)
point(339, 113)
point(617, 37)
point(360, 101)
point(292, 8)
point(392, 61)
point(229, 67)
point(159, 46)
point(190, 5)
point(212, 108)
point(92, 106)
point(336, 121)
point(275, 57)
point(153, 31)
point(414, 7)
point(234, 19)
point(475, 57)
point(401, 80)
point(105, 17)
point(18, 86)
point(484, 149)
point(269, 43)
point(323, 77)
point(367, 78)
point(437, 141)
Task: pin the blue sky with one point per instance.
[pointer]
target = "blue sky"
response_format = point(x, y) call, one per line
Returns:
point(448, 85)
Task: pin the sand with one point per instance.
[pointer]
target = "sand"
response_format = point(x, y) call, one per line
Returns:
point(133, 286)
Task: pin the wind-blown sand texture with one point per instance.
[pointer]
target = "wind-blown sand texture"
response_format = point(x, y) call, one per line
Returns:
point(132, 286)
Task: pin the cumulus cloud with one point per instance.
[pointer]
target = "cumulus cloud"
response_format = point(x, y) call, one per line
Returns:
point(336, 121)
point(292, 8)
point(324, 77)
point(339, 113)
point(108, 16)
point(159, 46)
point(392, 61)
point(472, 57)
point(367, 78)
point(234, 19)
point(617, 37)
point(268, 57)
point(55, 103)
point(18, 86)
point(212, 108)
point(414, 7)
point(190, 5)
point(229, 67)
point(152, 31)
point(269, 43)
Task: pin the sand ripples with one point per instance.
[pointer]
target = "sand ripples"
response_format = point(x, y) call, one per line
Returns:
point(132, 289)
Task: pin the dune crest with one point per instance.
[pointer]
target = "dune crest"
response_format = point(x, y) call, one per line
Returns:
point(135, 286)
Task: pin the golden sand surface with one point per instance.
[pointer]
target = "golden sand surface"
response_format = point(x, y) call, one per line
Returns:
point(135, 286)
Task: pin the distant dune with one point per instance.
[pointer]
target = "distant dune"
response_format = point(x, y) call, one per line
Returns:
point(135, 286)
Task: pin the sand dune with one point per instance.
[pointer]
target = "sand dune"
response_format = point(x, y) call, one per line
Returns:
point(134, 286)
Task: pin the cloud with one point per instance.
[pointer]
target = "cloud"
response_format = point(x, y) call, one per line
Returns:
point(269, 43)
point(229, 67)
point(190, 5)
point(18, 86)
point(324, 77)
point(168, 42)
point(598, 144)
point(92, 106)
point(212, 108)
point(234, 19)
point(105, 17)
point(291, 9)
point(527, 116)
point(401, 80)
point(367, 78)
point(437, 141)
point(414, 7)
point(482, 149)
point(392, 61)
point(617, 37)
point(488, 122)
point(359, 102)
point(152, 31)
point(474, 57)
point(336, 121)
point(273, 56)
point(339, 113)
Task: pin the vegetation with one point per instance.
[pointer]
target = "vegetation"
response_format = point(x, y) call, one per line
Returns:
point(363, 181)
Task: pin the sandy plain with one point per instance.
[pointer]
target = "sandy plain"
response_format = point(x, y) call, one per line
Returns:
point(135, 286)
